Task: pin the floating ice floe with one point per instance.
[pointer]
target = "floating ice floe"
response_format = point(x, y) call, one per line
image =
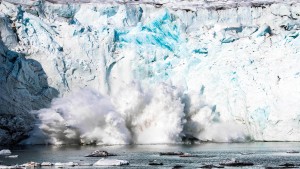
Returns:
point(31, 164)
point(155, 162)
point(5, 152)
point(85, 164)
point(236, 163)
point(66, 164)
point(171, 153)
point(246, 153)
point(99, 153)
point(177, 166)
point(288, 165)
point(292, 152)
point(211, 166)
point(46, 164)
point(110, 162)
point(188, 155)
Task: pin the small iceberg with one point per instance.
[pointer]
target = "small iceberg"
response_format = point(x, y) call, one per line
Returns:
point(46, 164)
point(12, 156)
point(246, 153)
point(187, 155)
point(155, 162)
point(287, 165)
point(110, 162)
point(293, 152)
point(31, 164)
point(211, 166)
point(85, 164)
point(66, 164)
point(171, 153)
point(236, 163)
point(177, 166)
point(5, 152)
point(99, 153)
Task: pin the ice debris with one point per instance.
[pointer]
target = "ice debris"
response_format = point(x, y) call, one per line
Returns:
point(99, 153)
point(5, 152)
point(110, 162)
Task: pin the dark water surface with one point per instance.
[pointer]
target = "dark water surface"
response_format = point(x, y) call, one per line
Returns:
point(260, 153)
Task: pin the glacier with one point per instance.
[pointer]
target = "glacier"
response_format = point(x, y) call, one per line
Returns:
point(124, 72)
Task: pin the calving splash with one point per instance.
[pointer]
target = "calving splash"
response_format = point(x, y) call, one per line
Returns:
point(141, 116)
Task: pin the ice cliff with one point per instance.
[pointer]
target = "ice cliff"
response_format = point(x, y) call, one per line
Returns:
point(23, 88)
point(149, 72)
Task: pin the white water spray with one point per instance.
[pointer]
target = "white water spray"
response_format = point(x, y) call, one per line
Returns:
point(139, 116)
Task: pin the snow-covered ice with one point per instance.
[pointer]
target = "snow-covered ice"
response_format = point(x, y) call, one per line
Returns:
point(46, 164)
point(72, 164)
point(110, 162)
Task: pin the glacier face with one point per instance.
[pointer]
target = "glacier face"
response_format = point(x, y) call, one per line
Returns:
point(164, 72)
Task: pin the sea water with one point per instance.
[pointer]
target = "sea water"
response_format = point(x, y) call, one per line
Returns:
point(262, 154)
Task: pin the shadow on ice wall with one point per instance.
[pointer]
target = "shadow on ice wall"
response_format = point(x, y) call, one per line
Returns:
point(23, 87)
